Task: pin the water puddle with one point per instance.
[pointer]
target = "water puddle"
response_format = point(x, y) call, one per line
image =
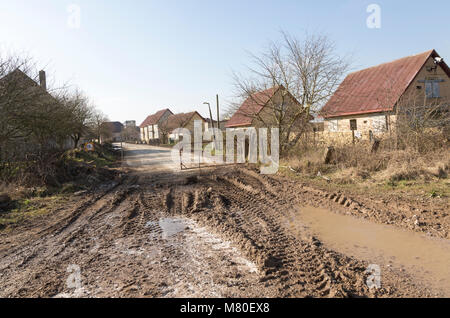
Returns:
point(425, 258)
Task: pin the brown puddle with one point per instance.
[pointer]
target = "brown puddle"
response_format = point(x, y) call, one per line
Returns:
point(422, 257)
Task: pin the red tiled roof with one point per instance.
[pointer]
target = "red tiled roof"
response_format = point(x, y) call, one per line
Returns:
point(251, 107)
point(154, 119)
point(376, 89)
point(180, 120)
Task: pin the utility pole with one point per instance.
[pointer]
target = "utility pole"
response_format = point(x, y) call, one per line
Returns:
point(212, 123)
point(218, 115)
point(210, 113)
point(121, 149)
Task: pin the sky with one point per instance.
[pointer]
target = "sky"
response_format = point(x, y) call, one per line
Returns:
point(133, 58)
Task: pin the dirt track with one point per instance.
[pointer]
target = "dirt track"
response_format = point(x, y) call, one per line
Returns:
point(213, 233)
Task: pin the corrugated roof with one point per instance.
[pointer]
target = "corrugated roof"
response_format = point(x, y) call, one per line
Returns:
point(154, 119)
point(378, 88)
point(251, 107)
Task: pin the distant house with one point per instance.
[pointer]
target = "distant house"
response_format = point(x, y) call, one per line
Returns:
point(222, 123)
point(18, 89)
point(183, 120)
point(130, 123)
point(367, 100)
point(150, 127)
point(257, 109)
point(112, 131)
point(131, 133)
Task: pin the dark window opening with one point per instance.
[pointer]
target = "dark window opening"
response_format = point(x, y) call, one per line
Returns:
point(353, 125)
point(432, 89)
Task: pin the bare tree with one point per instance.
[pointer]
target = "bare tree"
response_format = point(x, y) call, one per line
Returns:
point(30, 114)
point(130, 133)
point(173, 122)
point(33, 125)
point(37, 122)
point(415, 120)
point(79, 115)
point(97, 126)
point(419, 122)
point(304, 72)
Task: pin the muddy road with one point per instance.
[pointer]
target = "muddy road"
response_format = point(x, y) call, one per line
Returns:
point(217, 232)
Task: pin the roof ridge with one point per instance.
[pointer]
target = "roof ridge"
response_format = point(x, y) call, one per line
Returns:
point(428, 53)
point(242, 117)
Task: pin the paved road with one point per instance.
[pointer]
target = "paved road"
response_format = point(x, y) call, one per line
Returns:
point(152, 158)
point(145, 157)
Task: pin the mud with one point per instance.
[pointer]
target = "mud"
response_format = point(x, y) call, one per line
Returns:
point(223, 232)
point(425, 258)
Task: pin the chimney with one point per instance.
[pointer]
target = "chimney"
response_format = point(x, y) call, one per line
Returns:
point(43, 80)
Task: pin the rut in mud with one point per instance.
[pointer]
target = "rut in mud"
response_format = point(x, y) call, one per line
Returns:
point(220, 233)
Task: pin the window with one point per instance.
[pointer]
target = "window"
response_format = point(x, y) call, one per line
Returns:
point(432, 89)
point(353, 125)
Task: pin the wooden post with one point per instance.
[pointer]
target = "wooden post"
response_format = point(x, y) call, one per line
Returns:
point(328, 156)
point(121, 149)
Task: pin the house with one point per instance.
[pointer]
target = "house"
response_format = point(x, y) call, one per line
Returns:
point(131, 133)
point(112, 131)
point(222, 123)
point(258, 109)
point(183, 120)
point(130, 123)
point(367, 101)
point(150, 128)
point(28, 106)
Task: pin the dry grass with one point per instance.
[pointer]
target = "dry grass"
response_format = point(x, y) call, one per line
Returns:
point(28, 209)
point(355, 165)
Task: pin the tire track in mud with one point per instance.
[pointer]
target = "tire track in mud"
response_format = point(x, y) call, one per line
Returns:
point(283, 260)
point(196, 262)
point(260, 235)
point(249, 209)
point(60, 244)
point(116, 236)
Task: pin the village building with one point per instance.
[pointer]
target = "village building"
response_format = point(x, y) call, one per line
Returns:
point(367, 102)
point(182, 120)
point(150, 128)
point(130, 123)
point(222, 123)
point(258, 109)
point(31, 92)
point(112, 132)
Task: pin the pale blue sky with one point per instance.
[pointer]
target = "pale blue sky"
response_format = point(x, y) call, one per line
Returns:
point(135, 57)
